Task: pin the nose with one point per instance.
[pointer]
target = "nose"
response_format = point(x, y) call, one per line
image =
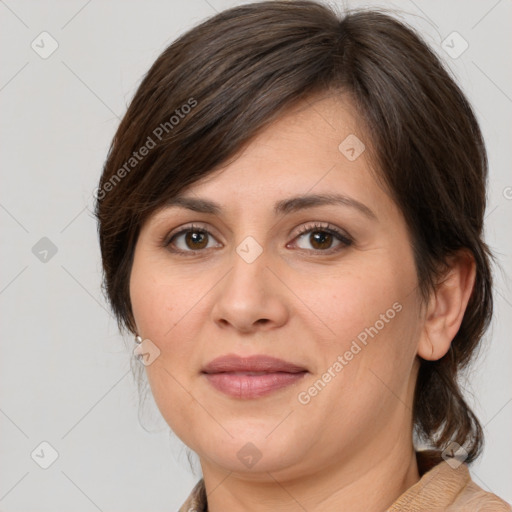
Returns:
point(250, 297)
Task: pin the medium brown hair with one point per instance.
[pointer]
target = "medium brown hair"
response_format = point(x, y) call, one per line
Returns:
point(216, 86)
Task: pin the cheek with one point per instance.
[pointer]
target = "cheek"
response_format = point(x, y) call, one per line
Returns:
point(372, 364)
point(158, 300)
point(370, 316)
point(166, 308)
point(355, 303)
point(379, 375)
point(159, 306)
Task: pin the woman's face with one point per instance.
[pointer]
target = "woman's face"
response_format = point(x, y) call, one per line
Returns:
point(327, 287)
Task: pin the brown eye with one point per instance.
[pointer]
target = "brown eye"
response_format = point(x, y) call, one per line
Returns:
point(322, 239)
point(191, 240)
point(196, 240)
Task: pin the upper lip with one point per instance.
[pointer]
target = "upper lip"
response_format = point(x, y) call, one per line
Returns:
point(255, 363)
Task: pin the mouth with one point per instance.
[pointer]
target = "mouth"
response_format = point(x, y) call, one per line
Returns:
point(251, 377)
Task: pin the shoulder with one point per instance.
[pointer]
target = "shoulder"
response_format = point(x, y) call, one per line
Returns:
point(474, 498)
point(446, 485)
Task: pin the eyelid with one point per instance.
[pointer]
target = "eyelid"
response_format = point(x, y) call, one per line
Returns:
point(343, 237)
point(166, 239)
point(321, 226)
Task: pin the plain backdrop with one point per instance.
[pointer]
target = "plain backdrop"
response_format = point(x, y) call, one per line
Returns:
point(65, 376)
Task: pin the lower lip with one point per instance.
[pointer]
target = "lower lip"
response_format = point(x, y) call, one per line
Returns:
point(241, 385)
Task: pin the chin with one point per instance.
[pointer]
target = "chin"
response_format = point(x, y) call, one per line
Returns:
point(254, 456)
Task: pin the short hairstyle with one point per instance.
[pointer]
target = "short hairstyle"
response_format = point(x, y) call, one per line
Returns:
point(218, 85)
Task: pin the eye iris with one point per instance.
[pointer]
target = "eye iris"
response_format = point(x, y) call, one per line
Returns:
point(196, 239)
point(199, 240)
point(321, 239)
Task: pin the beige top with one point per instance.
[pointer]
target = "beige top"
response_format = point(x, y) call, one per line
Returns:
point(440, 488)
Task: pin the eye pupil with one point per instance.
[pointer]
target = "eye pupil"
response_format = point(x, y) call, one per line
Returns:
point(197, 239)
point(321, 239)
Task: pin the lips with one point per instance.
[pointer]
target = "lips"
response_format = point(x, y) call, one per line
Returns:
point(257, 363)
point(252, 376)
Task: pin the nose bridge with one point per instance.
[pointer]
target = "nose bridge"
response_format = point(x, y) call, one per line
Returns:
point(247, 276)
point(247, 295)
point(249, 250)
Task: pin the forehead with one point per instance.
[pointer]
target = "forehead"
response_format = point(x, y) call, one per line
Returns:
point(316, 147)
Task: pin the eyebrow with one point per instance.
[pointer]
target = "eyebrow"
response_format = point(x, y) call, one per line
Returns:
point(285, 206)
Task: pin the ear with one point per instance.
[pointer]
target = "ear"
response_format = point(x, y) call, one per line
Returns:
point(447, 305)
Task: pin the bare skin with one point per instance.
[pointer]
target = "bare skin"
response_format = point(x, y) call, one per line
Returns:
point(304, 299)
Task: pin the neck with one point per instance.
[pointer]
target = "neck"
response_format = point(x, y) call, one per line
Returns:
point(371, 482)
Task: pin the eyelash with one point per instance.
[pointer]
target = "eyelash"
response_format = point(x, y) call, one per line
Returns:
point(343, 238)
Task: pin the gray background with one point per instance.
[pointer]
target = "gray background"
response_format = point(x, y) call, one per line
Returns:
point(65, 370)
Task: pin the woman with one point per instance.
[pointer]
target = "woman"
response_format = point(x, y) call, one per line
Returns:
point(290, 220)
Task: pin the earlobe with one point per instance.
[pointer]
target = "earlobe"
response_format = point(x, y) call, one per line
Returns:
point(446, 307)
